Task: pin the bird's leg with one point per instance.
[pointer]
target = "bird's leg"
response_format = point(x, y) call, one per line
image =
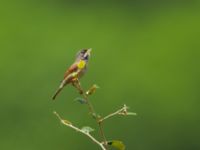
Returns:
point(77, 85)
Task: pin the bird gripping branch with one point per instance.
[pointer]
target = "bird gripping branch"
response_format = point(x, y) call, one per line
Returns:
point(75, 71)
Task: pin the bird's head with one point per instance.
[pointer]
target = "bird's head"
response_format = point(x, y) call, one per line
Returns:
point(84, 54)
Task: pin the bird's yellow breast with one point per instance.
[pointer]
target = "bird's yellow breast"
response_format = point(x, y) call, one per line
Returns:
point(81, 64)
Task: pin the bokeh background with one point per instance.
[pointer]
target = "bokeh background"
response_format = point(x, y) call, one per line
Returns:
point(145, 54)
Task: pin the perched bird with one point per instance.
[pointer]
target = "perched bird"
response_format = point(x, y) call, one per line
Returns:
point(76, 70)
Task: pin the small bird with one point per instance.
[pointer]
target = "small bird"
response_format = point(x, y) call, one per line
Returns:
point(76, 70)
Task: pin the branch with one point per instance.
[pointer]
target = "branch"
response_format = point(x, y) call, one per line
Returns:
point(99, 120)
point(77, 85)
point(67, 123)
point(122, 111)
point(85, 95)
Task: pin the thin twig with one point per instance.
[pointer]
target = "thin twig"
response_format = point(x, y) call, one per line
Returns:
point(121, 111)
point(81, 131)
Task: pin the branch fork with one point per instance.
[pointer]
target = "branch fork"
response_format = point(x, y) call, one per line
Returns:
point(86, 131)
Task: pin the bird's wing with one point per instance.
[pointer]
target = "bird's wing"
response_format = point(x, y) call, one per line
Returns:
point(72, 68)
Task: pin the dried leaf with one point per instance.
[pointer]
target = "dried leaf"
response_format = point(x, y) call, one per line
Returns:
point(87, 129)
point(131, 113)
point(66, 121)
point(117, 144)
point(81, 100)
point(92, 90)
point(127, 113)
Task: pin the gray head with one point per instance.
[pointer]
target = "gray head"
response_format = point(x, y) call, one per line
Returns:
point(84, 54)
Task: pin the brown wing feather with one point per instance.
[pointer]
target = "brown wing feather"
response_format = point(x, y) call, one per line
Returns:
point(71, 69)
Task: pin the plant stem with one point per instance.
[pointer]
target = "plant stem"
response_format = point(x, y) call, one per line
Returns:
point(91, 110)
point(111, 115)
point(81, 131)
point(121, 111)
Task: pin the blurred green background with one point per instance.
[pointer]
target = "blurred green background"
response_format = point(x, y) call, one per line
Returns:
point(145, 54)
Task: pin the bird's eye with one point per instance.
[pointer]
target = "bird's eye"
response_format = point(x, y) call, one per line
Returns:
point(83, 51)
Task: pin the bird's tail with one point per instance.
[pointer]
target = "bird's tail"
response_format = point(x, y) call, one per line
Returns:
point(58, 91)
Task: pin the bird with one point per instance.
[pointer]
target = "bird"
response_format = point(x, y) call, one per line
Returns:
point(76, 70)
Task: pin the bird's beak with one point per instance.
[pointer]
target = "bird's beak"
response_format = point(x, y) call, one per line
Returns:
point(88, 51)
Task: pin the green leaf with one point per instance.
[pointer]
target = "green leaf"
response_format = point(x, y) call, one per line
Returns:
point(95, 116)
point(87, 129)
point(117, 144)
point(81, 100)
